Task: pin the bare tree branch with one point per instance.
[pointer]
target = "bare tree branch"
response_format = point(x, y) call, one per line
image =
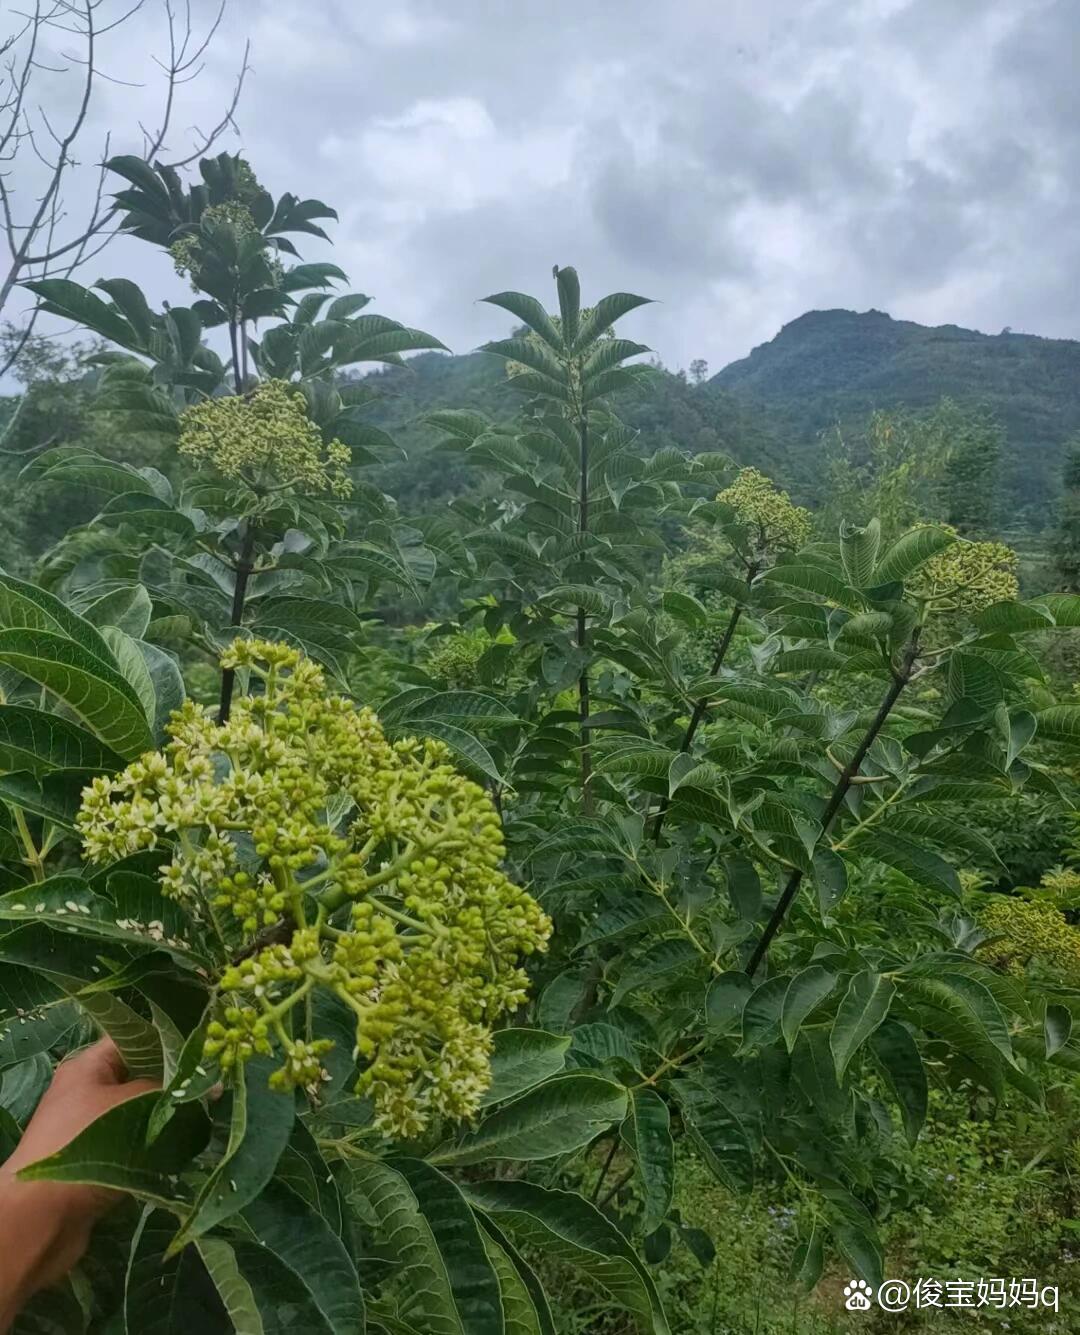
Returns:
point(32, 229)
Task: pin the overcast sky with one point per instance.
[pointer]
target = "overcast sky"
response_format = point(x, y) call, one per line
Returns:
point(741, 161)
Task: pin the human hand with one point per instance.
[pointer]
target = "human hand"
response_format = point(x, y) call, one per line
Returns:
point(45, 1226)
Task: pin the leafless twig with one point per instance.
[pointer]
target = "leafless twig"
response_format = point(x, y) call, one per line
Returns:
point(47, 140)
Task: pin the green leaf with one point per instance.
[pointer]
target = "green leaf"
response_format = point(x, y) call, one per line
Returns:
point(743, 887)
point(814, 658)
point(598, 1043)
point(55, 796)
point(860, 1247)
point(96, 693)
point(647, 1131)
point(814, 1072)
point(136, 1039)
point(1056, 1028)
point(859, 552)
point(472, 1280)
point(529, 311)
point(561, 1115)
point(112, 1151)
point(1012, 618)
point(651, 965)
point(519, 1312)
point(685, 609)
point(261, 1120)
point(469, 749)
point(559, 999)
point(595, 601)
point(302, 1241)
point(569, 289)
point(128, 609)
point(762, 1012)
point(428, 1299)
point(1060, 723)
point(564, 1226)
point(1063, 607)
point(726, 999)
point(24, 606)
point(909, 857)
point(908, 553)
point(140, 914)
point(830, 877)
point(814, 579)
point(522, 1058)
point(163, 1295)
point(806, 990)
point(971, 677)
point(545, 1323)
point(33, 740)
point(604, 314)
point(865, 1005)
point(24, 1036)
point(943, 1010)
point(233, 1288)
point(631, 911)
point(929, 827)
point(456, 706)
point(808, 1260)
point(985, 1005)
point(900, 1061)
point(72, 301)
point(21, 1088)
point(718, 1130)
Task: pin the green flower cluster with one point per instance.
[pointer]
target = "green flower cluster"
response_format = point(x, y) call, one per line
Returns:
point(967, 576)
point(376, 865)
point(455, 659)
point(1026, 930)
point(265, 438)
point(187, 250)
point(763, 507)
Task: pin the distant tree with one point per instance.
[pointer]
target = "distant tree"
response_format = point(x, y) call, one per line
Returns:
point(699, 369)
point(890, 468)
point(1067, 538)
point(974, 441)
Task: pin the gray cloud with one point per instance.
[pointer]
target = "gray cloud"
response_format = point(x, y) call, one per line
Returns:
point(741, 162)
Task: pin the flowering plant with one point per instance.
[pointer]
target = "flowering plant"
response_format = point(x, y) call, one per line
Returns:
point(350, 863)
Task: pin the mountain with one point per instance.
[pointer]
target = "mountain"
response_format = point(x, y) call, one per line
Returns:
point(837, 366)
point(772, 408)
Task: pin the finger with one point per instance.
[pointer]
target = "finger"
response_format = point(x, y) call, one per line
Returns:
point(133, 1088)
point(100, 1063)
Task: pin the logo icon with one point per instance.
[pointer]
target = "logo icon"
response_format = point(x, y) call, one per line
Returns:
point(858, 1296)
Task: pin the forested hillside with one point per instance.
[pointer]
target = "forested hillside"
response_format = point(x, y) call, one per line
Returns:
point(778, 408)
point(830, 366)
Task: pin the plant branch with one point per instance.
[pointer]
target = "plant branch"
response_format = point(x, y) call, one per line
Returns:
point(587, 802)
point(700, 708)
point(900, 679)
point(244, 568)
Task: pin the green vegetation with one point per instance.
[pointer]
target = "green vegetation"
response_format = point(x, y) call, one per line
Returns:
point(830, 366)
point(622, 900)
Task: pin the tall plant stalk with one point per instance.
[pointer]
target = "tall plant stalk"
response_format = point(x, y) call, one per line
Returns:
point(245, 559)
point(700, 708)
point(243, 570)
point(587, 801)
point(900, 679)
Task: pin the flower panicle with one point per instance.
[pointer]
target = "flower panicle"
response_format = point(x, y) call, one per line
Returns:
point(399, 906)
